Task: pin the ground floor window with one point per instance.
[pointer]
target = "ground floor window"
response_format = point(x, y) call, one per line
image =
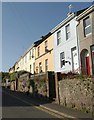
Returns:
point(40, 67)
point(46, 64)
point(62, 59)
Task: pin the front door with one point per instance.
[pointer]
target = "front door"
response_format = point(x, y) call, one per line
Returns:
point(74, 60)
point(87, 65)
point(92, 58)
point(93, 61)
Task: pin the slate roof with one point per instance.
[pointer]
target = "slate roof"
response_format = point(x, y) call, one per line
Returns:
point(42, 39)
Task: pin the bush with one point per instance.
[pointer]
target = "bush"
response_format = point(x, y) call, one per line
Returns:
point(12, 76)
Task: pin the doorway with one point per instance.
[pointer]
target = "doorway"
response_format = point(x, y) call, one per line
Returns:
point(74, 59)
point(85, 62)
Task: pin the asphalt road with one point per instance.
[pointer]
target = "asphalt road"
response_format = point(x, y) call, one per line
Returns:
point(15, 107)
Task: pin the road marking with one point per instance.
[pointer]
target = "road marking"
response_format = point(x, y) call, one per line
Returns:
point(38, 107)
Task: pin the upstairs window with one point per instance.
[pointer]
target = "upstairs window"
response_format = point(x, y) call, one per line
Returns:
point(58, 37)
point(30, 55)
point(25, 58)
point(62, 59)
point(67, 31)
point(38, 51)
point(46, 46)
point(87, 26)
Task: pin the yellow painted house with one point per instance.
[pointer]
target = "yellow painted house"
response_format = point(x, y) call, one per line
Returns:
point(44, 58)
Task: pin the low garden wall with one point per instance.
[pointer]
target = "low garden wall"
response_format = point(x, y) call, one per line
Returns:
point(38, 85)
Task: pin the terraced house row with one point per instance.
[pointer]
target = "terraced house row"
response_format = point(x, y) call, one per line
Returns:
point(67, 47)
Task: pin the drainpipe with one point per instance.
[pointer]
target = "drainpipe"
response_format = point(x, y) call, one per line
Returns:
point(79, 60)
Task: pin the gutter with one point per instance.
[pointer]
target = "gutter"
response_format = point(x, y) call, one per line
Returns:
point(87, 11)
point(79, 60)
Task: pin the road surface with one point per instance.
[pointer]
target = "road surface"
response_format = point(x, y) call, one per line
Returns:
point(15, 107)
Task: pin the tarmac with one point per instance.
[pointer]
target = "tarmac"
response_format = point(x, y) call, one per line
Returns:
point(65, 112)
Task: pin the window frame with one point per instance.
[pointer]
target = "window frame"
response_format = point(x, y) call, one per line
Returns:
point(38, 51)
point(46, 45)
point(62, 60)
point(30, 55)
point(86, 27)
point(58, 37)
point(67, 31)
point(46, 65)
point(40, 67)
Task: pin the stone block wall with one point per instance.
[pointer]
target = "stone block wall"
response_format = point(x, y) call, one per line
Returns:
point(38, 85)
point(77, 93)
point(12, 85)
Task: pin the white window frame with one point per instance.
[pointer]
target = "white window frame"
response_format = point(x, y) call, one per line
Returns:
point(30, 55)
point(46, 65)
point(40, 67)
point(58, 37)
point(62, 60)
point(46, 45)
point(67, 32)
point(38, 51)
point(86, 27)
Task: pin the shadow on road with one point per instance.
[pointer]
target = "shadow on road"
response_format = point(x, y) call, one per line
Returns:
point(17, 105)
point(16, 98)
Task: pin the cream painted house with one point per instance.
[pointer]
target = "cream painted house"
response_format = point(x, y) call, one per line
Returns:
point(26, 62)
point(44, 54)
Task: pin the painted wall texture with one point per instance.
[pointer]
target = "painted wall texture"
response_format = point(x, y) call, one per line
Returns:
point(86, 41)
point(26, 62)
point(45, 55)
point(66, 46)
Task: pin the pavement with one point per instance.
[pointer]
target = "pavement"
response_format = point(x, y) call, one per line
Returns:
point(63, 111)
point(55, 108)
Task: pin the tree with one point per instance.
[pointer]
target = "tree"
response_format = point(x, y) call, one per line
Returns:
point(4, 76)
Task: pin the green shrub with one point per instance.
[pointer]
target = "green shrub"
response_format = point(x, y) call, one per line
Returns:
point(12, 76)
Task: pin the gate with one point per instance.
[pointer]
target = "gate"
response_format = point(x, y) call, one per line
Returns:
point(52, 85)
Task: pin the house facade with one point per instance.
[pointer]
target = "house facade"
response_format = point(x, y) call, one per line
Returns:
point(86, 40)
point(66, 45)
point(27, 61)
point(44, 55)
point(12, 69)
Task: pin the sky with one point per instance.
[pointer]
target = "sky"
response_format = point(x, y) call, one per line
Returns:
point(25, 22)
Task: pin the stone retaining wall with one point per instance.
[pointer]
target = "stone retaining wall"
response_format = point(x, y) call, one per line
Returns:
point(77, 93)
point(38, 85)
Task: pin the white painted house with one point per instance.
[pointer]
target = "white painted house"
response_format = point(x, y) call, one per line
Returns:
point(66, 56)
point(27, 61)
